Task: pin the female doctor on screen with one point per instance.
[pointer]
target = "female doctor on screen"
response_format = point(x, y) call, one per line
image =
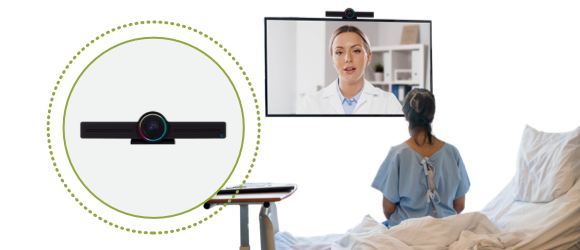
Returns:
point(350, 93)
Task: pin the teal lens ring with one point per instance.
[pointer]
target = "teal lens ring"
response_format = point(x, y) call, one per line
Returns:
point(151, 125)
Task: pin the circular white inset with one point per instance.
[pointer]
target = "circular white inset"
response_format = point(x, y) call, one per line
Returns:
point(182, 83)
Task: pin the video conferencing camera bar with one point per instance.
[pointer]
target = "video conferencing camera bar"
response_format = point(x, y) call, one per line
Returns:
point(153, 128)
point(349, 13)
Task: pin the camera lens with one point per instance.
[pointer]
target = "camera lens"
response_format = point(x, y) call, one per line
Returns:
point(152, 126)
point(349, 13)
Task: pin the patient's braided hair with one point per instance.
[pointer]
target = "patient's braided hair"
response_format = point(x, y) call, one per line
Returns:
point(420, 108)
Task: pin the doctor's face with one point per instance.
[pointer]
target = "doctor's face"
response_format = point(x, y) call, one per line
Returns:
point(350, 58)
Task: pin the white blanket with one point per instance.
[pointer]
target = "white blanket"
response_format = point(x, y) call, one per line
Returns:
point(465, 231)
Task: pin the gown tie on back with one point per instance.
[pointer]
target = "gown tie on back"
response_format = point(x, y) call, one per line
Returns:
point(432, 191)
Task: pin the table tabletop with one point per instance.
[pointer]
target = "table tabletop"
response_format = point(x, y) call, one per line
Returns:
point(253, 197)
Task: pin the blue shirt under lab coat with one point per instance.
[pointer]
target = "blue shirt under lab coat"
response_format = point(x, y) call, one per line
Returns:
point(348, 105)
point(402, 180)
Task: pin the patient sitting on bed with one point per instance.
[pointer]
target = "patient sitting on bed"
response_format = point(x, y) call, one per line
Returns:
point(422, 176)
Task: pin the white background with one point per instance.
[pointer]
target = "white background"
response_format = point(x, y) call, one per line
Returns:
point(181, 83)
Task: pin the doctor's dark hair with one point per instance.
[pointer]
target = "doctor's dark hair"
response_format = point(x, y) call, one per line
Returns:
point(420, 109)
point(349, 28)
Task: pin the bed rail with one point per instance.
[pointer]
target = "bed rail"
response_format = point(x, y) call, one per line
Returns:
point(268, 225)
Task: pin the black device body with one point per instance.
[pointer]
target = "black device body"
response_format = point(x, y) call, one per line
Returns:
point(349, 13)
point(153, 128)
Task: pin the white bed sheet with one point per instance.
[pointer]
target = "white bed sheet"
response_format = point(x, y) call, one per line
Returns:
point(502, 224)
point(465, 231)
point(287, 241)
point(551, 225)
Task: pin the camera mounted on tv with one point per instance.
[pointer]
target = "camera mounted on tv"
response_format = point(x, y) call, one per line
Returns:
point(349, 13)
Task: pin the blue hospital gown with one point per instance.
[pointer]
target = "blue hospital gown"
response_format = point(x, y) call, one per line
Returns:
point(402, 180)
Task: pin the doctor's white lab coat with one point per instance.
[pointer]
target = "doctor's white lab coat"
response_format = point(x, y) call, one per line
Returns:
point(372, 101)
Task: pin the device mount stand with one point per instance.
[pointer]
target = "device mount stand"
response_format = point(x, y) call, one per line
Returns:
point(140, 141)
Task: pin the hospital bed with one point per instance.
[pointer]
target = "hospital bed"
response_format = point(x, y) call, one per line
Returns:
point(553, 225)
point(503, 223)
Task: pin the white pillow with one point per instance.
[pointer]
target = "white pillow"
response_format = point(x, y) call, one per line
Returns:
point(547, 165)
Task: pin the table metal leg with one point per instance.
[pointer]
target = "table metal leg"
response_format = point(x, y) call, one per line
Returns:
point(268, 226)
point(244, 227)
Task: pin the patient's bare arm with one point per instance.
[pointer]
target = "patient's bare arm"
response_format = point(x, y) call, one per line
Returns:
point(387, 214)
point(459, 204)
point(387, 207)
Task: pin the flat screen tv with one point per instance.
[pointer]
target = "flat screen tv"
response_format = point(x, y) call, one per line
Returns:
point(344, 67)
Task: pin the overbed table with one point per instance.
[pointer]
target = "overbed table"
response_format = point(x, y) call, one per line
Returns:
point(268, 215)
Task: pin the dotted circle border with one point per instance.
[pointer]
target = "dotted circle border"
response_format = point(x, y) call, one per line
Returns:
point(61, 76)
